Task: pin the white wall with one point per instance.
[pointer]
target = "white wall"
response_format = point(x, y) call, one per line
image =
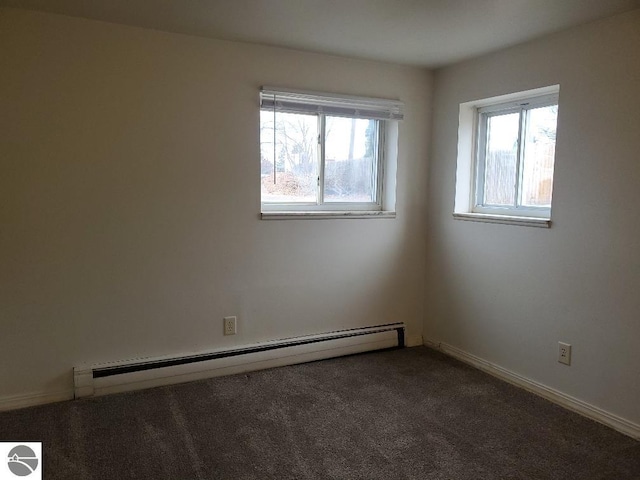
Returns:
point(130, 199)
point(508, 294)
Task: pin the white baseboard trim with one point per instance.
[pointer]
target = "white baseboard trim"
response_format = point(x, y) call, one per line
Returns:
point(414, 340)
point(430, 344)
point(13, 402)
point(592, 412)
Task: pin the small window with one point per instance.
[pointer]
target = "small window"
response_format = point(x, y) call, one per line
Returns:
point(512, 156)
point(516, 153)
point(324, 152)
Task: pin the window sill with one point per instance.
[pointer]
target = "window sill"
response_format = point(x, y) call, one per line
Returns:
point(325, 215)
point(504, 219)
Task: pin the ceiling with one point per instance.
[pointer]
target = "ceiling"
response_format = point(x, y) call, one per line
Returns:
point(427, 33)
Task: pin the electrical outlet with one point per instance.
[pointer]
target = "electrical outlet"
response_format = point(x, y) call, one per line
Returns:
point(564, 353)
point(230, 325)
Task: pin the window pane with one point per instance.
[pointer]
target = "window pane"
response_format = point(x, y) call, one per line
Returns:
point(351, 152)
point(539, 155)
point(289, 167)
point(501, 159)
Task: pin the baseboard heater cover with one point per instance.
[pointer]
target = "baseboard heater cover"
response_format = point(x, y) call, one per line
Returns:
point(127, 375)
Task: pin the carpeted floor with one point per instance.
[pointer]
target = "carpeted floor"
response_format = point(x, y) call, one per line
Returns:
point(400, 414)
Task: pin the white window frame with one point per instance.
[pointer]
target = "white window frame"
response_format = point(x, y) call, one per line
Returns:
point(470, 162)
point(385, 112)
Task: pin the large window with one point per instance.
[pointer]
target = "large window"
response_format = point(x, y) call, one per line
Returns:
point(324, 152)
point(512, 156)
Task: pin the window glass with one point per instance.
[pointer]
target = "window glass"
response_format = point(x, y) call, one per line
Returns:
point(289, 157)
point(539, 156)
point(501, 159)
point(350, 168)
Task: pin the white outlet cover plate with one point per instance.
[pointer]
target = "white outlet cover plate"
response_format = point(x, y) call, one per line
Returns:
point(230, 325)
point(564, 353)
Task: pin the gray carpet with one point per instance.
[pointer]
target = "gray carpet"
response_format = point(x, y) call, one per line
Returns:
point(401, 414)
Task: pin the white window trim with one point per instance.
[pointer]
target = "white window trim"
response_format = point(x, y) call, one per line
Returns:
point(465, 193)
point(387, 112)
point(504, 219)
point(325, 215)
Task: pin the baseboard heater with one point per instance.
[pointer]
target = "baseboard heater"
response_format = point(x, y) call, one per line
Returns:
point(127, 375)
